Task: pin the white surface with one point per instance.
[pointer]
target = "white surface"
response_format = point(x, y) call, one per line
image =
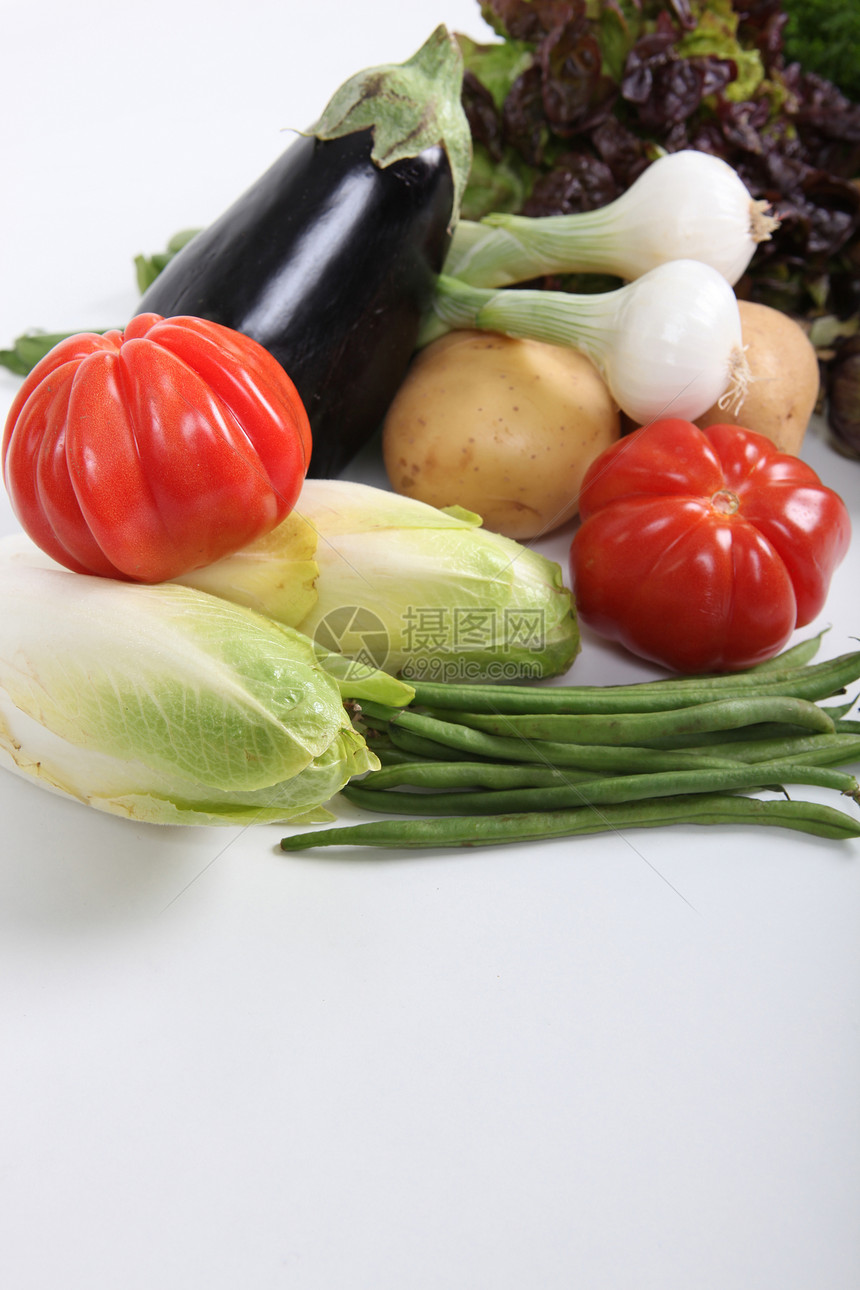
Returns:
point(628, 1061)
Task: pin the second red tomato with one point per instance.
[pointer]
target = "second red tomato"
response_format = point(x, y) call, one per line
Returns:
point(703, 550)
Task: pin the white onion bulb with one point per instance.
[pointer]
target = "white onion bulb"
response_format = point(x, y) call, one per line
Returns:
point(676, 346)
point(667, 344)
point(685, 205)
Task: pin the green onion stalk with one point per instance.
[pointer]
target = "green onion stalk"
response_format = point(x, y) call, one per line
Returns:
point(686, 205)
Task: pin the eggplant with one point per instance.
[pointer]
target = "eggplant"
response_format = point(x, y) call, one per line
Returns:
point(330, 259)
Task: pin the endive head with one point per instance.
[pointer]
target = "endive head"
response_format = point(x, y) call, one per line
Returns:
point(406, 587)
point(166, 704)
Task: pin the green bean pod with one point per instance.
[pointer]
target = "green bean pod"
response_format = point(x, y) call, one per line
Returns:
point(726, 742)
point(795, 656)
point(809, 682)
point(838, 749)
point(602, 791)
point(529, 763)
point(643, 728)
point(418, 745)
point(471, 774)
point(479, 745)
point(394, 758)
point(538, 826)
point(422, 733)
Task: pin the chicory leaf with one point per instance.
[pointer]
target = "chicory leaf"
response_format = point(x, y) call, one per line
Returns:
point(166, 704)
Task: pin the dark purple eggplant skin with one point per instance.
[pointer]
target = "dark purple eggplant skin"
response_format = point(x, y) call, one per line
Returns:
point(329, 261)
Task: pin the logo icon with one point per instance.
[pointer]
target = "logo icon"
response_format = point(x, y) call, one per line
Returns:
point(356, 633)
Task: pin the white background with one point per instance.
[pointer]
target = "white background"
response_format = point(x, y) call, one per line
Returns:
point(627, 1061)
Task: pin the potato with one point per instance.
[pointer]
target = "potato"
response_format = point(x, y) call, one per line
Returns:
point(503, 427)
point(785, 378)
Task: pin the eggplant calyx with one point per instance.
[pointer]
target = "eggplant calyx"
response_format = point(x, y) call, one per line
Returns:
point(409, 107)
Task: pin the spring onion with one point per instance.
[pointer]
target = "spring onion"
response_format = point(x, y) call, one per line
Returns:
point(686, 205)
point(667, 344)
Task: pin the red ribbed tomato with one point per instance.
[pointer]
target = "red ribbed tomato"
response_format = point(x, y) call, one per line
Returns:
point(145, 453)
point(703, 550)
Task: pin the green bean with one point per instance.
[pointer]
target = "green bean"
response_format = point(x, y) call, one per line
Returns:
point(374, 739)
point(481, 746)
point(833, 750)
point(818, 681)
point(641, 728)
point(599, 792)
point(528, 763)
point(839, 711)
point(796, 655)
point(839, 749)
point(417, 745)
point(472, 774)
point(721, 743)
point(410, 744)
point(393, 758)
point(380, 714)
point(810, 750)
point(537, 826)
point(718, 740)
